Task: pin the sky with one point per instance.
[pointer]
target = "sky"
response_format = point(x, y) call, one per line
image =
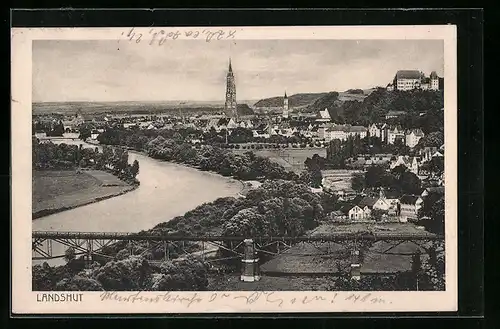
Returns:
point(103, 70)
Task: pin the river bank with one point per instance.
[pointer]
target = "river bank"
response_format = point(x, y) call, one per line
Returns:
point(55, 191)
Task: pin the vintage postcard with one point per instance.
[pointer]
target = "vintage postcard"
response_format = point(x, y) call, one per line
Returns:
point(234, 169)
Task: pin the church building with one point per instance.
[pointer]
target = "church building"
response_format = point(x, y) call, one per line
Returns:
point(285, 106)
point(231, 108)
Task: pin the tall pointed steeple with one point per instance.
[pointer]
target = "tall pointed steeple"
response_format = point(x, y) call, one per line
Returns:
point(230, 105)
point(285, 106)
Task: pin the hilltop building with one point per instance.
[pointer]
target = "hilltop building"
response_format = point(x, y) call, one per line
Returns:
point(231, 107)
point(413, 79)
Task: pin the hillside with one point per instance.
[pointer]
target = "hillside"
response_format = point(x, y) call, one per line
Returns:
point(296, 100)
point(377, 104)
point(304, 100)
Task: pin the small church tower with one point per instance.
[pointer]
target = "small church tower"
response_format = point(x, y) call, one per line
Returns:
point(285, 106)
point(230, 106)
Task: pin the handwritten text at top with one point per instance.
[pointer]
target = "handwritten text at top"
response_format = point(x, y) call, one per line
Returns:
point(159, 36)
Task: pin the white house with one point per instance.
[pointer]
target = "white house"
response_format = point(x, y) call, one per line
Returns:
point(355, 213)
point(413, 137)
point(324, 116)
point(375, 130)
point(409, 205)
point(343, 131)
point(374, 203)
point(412, 163)
point(395, 134)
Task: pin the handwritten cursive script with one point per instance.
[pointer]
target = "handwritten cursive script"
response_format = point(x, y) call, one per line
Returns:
point(158, 37)
point(189, 299)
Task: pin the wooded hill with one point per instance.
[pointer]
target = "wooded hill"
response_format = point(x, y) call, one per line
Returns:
point(417, 104)
point(296, 100)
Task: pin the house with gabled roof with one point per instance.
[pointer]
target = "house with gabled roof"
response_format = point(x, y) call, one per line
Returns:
point(323, 116)
point(395, 133)
point(409, 205)
point(375, 130)
point(413, 136)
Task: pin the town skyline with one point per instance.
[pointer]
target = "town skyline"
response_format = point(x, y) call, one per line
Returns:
point(104, 71)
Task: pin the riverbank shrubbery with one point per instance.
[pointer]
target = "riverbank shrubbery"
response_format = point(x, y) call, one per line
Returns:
point(277, 207)
point(129, 274)
point(50, 156)
point(169, 145)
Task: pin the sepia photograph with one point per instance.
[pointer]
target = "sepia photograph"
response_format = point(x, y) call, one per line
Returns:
point(232, 164)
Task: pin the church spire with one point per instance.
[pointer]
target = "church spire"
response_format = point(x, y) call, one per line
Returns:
point(285, 94)
point(230, 67)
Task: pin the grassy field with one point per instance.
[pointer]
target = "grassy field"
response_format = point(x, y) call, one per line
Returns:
point(292, 159)
point(55, 191)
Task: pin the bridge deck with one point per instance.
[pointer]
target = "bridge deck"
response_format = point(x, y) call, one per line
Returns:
point(335, 236)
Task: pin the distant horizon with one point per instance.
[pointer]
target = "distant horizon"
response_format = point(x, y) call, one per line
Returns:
point(104, 71)
point(193, 101)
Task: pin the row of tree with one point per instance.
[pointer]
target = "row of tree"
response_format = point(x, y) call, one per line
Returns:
point(52, 129)
point(171, 146)
point(123, 274)
point(50, 156)
point(399, 179)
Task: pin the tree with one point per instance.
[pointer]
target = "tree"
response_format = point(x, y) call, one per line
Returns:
point(434, 139)
point(410, 183)
point(358, 182)
point(432, 213)
point(130, 274)
point(85, 133)
point(134, 170)
point(316, 178)
point(69, 255)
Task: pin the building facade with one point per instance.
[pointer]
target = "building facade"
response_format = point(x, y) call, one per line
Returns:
point(342, 132)
point(413, 137)
point(231, 107)
point(434, 84)
point(395, 134)
point(407, 80)
point(409, 207)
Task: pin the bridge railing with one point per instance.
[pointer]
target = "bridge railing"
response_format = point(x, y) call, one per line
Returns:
point(335, 236)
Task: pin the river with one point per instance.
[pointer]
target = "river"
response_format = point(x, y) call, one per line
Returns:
point(167, 190)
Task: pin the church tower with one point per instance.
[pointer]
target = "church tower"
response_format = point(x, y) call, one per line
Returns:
point(230, 105)
point(285, 106)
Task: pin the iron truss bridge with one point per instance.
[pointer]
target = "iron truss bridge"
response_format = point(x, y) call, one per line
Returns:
point(49, 244)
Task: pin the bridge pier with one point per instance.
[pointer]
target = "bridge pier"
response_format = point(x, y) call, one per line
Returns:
point(250, 263)
point(355, 265)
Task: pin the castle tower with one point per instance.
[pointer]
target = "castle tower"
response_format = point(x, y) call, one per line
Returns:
point(230, 105)
point(285, 106)
point(434, 81)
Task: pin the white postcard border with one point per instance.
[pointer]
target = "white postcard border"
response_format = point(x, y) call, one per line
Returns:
point(24, 301)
